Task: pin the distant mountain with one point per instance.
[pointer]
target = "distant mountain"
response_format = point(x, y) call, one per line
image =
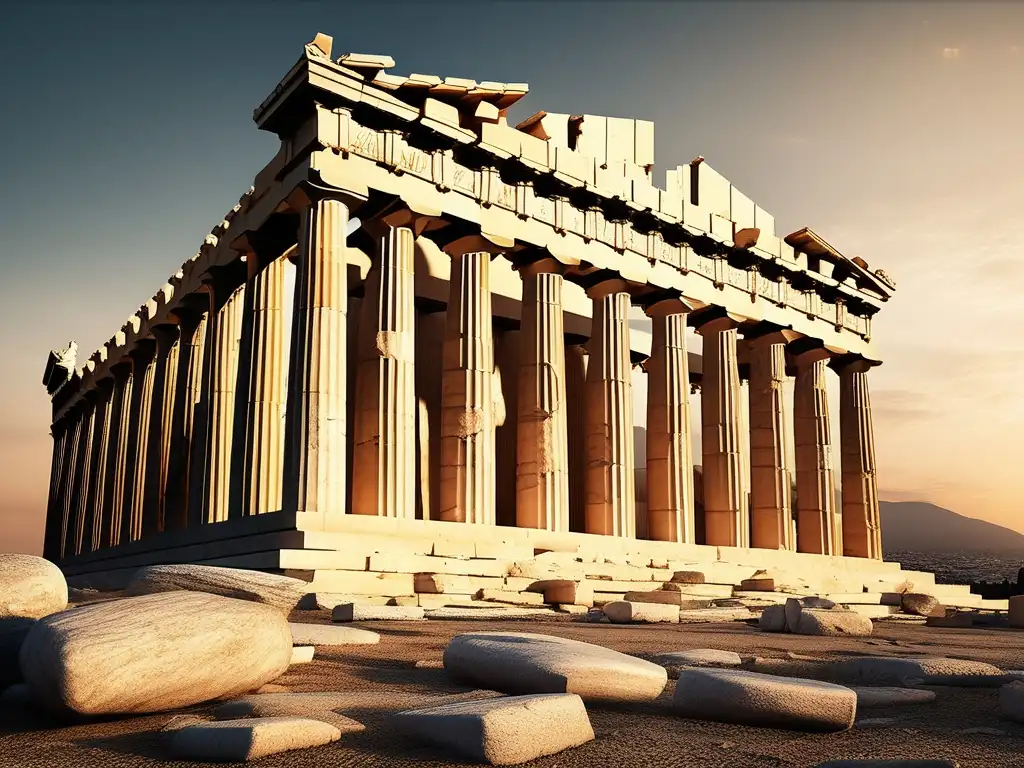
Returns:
point(921, 527)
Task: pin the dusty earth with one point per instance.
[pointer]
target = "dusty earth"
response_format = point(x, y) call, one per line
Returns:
point(634, 736)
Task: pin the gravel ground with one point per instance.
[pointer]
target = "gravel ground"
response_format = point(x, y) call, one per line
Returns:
point(634, 736)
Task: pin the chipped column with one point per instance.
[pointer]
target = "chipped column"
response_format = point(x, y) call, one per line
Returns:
point(384, 444)
point(815, 475)
point(726, 514)
point(670, 512)
point(542, 451)
point(862, 530)
point(771, 481)
point(611, 479)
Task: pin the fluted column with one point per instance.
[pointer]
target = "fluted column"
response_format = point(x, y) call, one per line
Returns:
point(117, 455)
point(726, 514)
point(542, 447)
point(815, 476)
point(143, 372)
point(384, 443)
point(314, 459)
point(611, 478)
point(862, 529)
point(183, 486)
point(770, 478)
point(670, 513)
point(165, 374)
point(467, 418)
point(98, 466)
point(223, 334)
point(80, 469)
point(68, 482)
point(83, 500)
point(576, 360)
point(51, 537)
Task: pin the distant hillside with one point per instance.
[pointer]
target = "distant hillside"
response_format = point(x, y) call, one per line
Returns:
point(921, 527)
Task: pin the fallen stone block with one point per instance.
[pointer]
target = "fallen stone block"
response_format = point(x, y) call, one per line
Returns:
point(318, 705)
point(328, 601)
point(17, 697)
point(487, 614)
point(892, 697)
point(706, 615)
point(521, 663)
point(951, 618)
point(503, 731)
point(511, 598)
point(750, 698)
point(833, 622)
point(572, 609)
point(13, 631)
point(30, 587)
point(674, 661)
point(564, 591)
point(894, 670)
point(153, 653)
point(662, 596)
point(687, 577)
point(302, 654)
point(1015, 610)
point(918, 604)
point(773, 619)
point(362, 612)
point(764, 584)
point(625, 612)
point(243, 740)
point(282, 592)
point(794, 606)
point(326, 634)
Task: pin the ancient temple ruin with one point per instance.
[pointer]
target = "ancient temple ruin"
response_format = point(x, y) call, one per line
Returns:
point(410, 345)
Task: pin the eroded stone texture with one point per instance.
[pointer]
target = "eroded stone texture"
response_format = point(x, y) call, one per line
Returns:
point(317, 705)
point(892, 697)
point(889, 670)
point(507, 730)
point(750, 698)
point(773, 619)
point(325, 634)
point(520, 662)
point(795, 605)
point(675, 661)
point(362, 612)
point(282, 592)
point(832, 622)
point(862, 526)
point(30, 587)
point(918, 604)
point(153, 653)
point(624, 612)
point(242, 740)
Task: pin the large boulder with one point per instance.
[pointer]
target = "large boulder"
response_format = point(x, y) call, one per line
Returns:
point(832, 622)
point(918, 604)
point(522, 662)
point(507, 730)
point(772, 619)
point(794, 606)
point(237, 741)
point(13, 631)
point(30, 587)
point(282, 592)
point(750, 698)
point(625, 612)
point(153, 653)
point(935, 670)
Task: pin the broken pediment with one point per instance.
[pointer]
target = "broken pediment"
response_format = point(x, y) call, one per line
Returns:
point(825, 259)
point(60, 365)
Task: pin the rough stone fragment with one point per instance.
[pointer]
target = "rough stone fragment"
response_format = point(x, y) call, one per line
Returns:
point(282, 592)
point(319, 706)
point(758, 585)
point(794, 605)
point(13, 631)
point(662, 596)
point(704, 615)
point(750, 698)
point(688, 577)
point(242, 740)
point(625, 612)
point(503, 731)
point(30, 587)
point(833, 622)
point(772, 619)
point(564, 591)
point(520, 662)
point(325, 634)
point(918, 604)
point(893, 670)
point(153, 653)
point(302, 654)
point(361, 612)
point(572, 609)
point(892, 697)
point(674, 661)
point(511, 597)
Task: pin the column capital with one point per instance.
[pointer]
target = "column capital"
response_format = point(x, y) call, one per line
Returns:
point(458, 238)
point(663, 305)
point(402, 214)
point(143, 351)
point(165, 334)
point(777, 336)
point(308, 193)
point(715, 319)
point(606, 286)
point(273, 238)
point(852, 364)
point(544, 264)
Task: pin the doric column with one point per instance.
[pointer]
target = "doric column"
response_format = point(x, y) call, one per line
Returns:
point(165, 375)
point(51, 537)
point(467, 417)
point(117, 454)
point(314, 458)
point(770, 478)
point(815, 477)
point(83, 501)
point(726, 514)
point(542, 447)
point(862, 528)
point(223, 332)
point(611, 481)
point(68, 481)
point(80, 470)
point(143, 371)
point(670, 512)
point(576, 381)
point(96, 479)
point(384, 441)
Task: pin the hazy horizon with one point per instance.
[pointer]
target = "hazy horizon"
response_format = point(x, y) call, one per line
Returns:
point(893, 130)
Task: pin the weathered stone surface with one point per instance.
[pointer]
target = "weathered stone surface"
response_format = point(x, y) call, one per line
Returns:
point(319, 706)
point(951, 618)
point(510, 597)
point(758, 585)
point(625, 612)
point(13, 631)
point(832, 622)
point(891, 670)
point(520, 662)
point(152, 653)
point(1011, 701)
point(282, 592)
point(794, 605)
point(302, 654)
point(892, 697)
point(325, 634)
point(242, 740)
point(772, 619)
point(688, 577)
point(564, 591)
point(918, 604)
point(889, 764)
point(487, 614)
point(30, 587)
point(503, 731)
point(750, 698)
point(662, 596)
point(361, 612)
point(674, 661)
point(704, 615)
point(178, 722)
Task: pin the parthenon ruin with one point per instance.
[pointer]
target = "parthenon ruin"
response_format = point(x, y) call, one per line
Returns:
point(422, 323)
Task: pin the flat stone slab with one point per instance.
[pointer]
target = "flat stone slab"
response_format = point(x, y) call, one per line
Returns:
point(523, 663)
point(703, 615)
point(282, 592)
point(487, 614)
point(362, 612)
point(30, 587)
point(302, 654)
point(892, 697)
point(507, 730)
point(625, 612)
point(750, 698)
point(699, 657)
point(325, 634)
point(893, 670)
point(243, 740)
point(318, 705)
point(153, 653)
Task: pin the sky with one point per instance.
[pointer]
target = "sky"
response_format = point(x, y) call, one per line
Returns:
point(892, 129)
